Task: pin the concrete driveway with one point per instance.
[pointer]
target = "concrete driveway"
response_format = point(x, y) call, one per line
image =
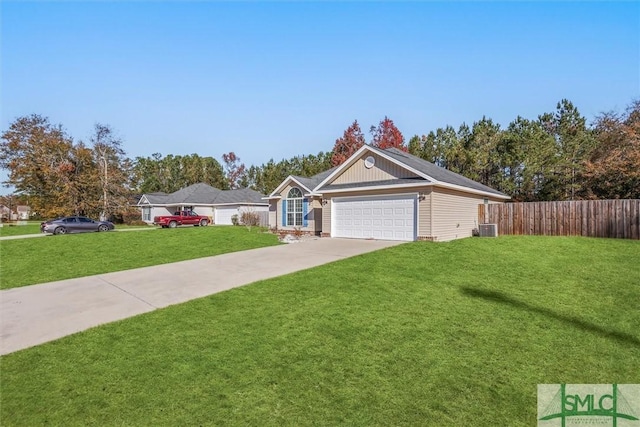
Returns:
point(36, 314)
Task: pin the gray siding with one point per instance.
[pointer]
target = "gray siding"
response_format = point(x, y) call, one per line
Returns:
point(273, 216)
point(326, 217)
point(424, 214)
point(160, 211)
point(455, 214)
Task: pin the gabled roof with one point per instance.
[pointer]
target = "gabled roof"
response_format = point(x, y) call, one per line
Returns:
point(196, 193)
point(430, 173)
point(307, 184)
point(243, 195)
point(438, 173)
point(155, 198)
point(311, 182)
point(204, 194)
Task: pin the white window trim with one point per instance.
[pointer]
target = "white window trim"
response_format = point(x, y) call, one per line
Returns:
point(291, 202)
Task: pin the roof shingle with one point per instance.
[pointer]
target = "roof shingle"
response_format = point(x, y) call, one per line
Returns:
point(202, 193)
point(438, 173)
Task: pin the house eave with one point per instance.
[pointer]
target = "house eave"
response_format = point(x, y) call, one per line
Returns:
point(284, 184)
point(470, 190)
point(240, 203)
point(372, 188)
point(203, 204)
point(411, 185)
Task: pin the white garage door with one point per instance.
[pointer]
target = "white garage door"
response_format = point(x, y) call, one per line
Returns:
point(383, 217)
point(223, 215)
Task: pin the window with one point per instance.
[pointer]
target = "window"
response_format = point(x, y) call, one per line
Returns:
point(146, 213)
point(294, 208)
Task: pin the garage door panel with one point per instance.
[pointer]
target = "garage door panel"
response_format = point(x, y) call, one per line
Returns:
point(223, 215)
point(389, 217)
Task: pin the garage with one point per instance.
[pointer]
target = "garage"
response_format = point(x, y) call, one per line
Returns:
point(224, 214)
point(380, 217)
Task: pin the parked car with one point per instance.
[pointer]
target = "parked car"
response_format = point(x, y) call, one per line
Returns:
point(74, 224)
point(181, 218)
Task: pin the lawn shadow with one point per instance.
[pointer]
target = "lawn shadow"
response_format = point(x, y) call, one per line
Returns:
point(499, 297)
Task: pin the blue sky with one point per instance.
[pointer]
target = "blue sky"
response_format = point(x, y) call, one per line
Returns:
point(274, 80)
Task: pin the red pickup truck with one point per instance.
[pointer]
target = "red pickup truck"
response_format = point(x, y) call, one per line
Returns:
point(181, 218)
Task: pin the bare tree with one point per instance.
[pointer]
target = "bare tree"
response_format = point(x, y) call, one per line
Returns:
point(113, 167)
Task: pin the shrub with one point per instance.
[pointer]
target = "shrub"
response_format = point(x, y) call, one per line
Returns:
point(250, 219)
point(297, 232)
point(234, 219)
point(130, 216)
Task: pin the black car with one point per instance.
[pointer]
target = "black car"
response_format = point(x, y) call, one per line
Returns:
point(74, 224)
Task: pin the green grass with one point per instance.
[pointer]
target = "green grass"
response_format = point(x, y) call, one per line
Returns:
point(34, 228)
point(18, 230)
point(30, 261)
point(455, 334)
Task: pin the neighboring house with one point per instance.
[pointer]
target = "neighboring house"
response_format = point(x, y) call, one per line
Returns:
point(381, 194)
point(20, 213)
point(203, 199)
point(5, 212)
point(23, 212)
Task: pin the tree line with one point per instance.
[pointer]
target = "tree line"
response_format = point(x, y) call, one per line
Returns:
point(557, 156)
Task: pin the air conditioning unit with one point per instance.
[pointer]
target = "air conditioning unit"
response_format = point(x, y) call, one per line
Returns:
point(488, 230)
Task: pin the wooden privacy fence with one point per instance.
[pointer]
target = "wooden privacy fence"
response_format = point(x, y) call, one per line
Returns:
point(594, 218)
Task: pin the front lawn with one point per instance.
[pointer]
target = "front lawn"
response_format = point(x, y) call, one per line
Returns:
point(29, 261)
point(434, 334)
point(9, 229)
point(34, 228)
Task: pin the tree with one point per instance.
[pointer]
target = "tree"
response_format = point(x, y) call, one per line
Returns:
point(387, 135)
point(453, 143)
point(37, 156)
point(612, 170)
point(416, 145)
point(212, 173)
point(233, 169)
point(113, 168)
point(168, 174)
point(147, 176)
point(482, 154)
point(270, 175)
point(526, 153)
point(82, 182)
point(351, 141)
point(574, 142)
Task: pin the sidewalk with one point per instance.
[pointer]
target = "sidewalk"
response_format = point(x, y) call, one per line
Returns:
point(36, 314)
